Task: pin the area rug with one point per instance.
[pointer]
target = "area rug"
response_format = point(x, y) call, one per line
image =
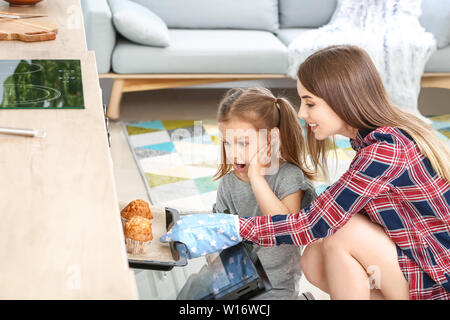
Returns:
point(177, 160)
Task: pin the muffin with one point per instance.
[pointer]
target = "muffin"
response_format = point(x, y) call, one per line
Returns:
point(138, 234)
point(135, 208)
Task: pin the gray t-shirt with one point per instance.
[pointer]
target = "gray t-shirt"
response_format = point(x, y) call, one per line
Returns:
point(281, 263)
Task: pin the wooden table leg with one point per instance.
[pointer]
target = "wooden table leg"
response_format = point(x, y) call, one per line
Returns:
point(113, 111)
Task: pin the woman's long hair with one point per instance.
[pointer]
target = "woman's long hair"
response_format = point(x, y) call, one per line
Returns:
point(347, 80)
point(263, 110)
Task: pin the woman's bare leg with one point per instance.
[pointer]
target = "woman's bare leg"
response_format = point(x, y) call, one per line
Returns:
point(313, 265)
point(346, 277)
point(376, 294)
point(339, 264)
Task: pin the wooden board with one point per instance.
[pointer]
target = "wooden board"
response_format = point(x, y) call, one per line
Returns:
point(27, 30)
point(70, 42)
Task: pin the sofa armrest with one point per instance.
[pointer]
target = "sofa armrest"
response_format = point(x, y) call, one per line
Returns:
point(100, 32)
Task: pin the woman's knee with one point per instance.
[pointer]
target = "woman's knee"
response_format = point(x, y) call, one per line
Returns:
point(334, 244)
point(348, 235)
point(311, 262)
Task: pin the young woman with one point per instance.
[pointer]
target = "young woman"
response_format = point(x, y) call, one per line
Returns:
point(263, 172)
point(389, 214)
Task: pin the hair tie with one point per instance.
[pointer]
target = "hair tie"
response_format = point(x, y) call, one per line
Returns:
point(277, 100)
point(279, 110)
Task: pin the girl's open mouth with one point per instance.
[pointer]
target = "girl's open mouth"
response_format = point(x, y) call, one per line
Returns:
point(240, 167)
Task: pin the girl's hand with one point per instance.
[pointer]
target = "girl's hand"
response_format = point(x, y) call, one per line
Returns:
point(266, 155)
point(258, 163)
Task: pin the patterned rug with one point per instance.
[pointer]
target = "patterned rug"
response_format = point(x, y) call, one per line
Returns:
point(178, 158)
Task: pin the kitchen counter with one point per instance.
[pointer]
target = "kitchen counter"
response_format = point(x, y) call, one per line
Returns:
point(60, 230)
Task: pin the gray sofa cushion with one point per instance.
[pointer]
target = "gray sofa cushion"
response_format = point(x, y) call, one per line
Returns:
point(435, 18)
point(216, 14)
point(438, 62)
point(100, 32)
point(137, 23)
point(204, 51)
point(289, 34)
point(305, 13)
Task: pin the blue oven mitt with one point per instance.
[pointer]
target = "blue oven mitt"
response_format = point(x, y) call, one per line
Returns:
point(205, 233)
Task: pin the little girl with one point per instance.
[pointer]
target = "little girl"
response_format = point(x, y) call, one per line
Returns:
point(260, 177)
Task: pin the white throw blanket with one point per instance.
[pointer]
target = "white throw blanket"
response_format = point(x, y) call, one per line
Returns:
point(389, 30)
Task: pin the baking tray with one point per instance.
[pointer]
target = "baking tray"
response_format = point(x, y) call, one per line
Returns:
point(177, 249)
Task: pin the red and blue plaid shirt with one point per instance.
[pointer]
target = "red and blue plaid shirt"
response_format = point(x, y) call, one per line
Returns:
point(392, 182)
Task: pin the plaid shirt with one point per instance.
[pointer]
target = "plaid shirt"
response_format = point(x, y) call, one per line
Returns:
point(394, 184)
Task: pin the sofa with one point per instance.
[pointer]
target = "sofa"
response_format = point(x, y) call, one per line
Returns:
point(193, 42)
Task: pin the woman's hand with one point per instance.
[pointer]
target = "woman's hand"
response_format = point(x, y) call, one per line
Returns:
point(205, 233)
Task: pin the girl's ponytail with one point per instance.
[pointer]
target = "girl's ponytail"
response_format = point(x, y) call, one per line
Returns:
point(293, 146)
